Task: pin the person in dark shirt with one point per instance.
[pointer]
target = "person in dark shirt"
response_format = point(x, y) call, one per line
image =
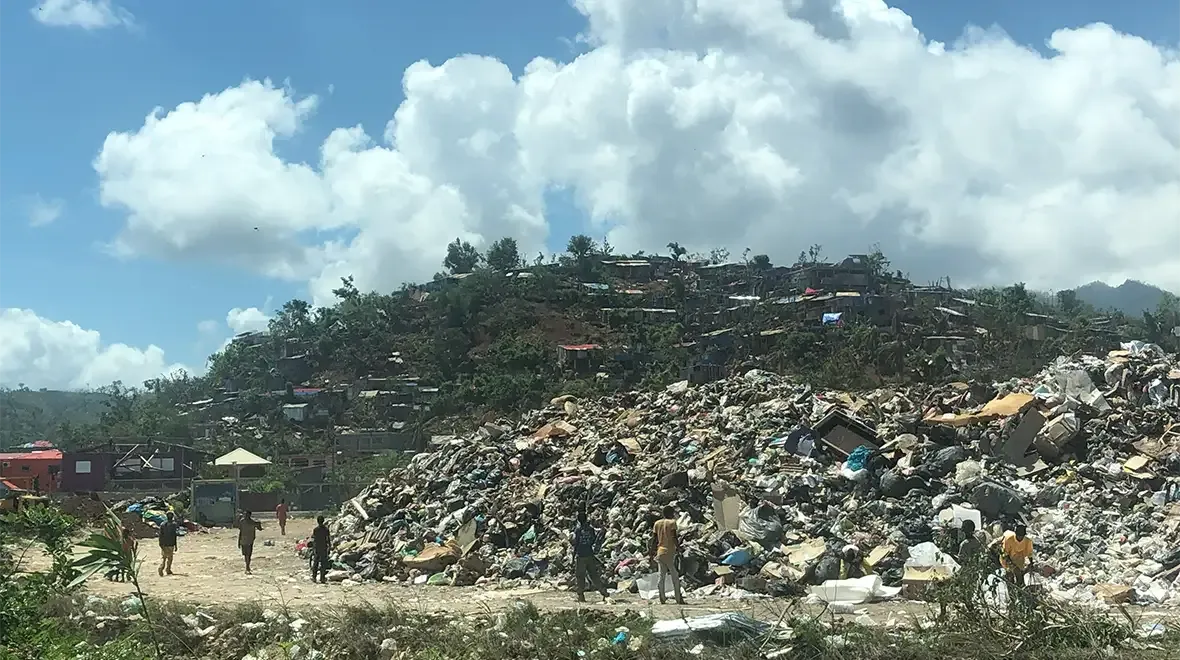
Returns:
point(168, 535)
point(970, 547)
point(321, 541)
point(248, 529)
point(586, 541)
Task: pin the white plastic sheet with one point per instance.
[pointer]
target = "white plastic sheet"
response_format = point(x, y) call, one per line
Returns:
point(955, 515)
point(721, 627)
point(854, 591)
point(927, 555)
point(649, 586)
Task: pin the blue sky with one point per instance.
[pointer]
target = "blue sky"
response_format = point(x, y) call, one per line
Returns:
point(64, 89)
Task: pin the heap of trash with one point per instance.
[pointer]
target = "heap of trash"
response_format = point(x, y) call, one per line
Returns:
point(773, 479)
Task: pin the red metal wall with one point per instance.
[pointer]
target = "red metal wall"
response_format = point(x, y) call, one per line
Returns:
point(22, 469)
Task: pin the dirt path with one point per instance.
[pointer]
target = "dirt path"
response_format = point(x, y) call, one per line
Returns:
point(209, 570)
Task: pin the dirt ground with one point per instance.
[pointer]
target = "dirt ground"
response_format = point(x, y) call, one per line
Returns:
point(209, 570)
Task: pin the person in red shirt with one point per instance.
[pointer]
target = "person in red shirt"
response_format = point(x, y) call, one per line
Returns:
point(281, 514)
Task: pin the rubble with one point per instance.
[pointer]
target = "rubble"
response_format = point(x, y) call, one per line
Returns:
point(772, 478)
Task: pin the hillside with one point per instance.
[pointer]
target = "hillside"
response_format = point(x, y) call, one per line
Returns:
point(31, 415)
point(487, 339)
point(1131, 297)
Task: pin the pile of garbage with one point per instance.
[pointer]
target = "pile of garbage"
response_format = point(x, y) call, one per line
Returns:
point(143, 516)
point(773, 479)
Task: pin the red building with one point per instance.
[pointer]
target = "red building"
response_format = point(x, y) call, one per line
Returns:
point(37, 471)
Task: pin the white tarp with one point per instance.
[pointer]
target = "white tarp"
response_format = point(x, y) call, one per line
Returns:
point(240, 457)
point(854, 591)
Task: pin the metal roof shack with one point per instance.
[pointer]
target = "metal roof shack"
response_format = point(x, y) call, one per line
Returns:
point(580, 347)
point(578, 357)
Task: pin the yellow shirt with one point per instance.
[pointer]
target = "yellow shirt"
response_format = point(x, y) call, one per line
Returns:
point(665, 531)
point(1013, 553)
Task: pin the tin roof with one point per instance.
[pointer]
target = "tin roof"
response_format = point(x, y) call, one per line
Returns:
point(48, 455)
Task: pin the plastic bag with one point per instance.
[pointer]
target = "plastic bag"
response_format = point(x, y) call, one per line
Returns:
point(766, 532)
point(857, 459)
point(648, 586)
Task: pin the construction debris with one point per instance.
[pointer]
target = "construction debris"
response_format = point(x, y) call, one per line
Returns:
point(773, 479)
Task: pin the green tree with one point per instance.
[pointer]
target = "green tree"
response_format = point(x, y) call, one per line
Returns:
point(1016, 299)
point(677, 251)
point(503, 255)
point(581, 247)
point(293, 320)
point(761, 262)
point(1067, 300)
point(461, 257)
point(607, 248)
point(347, 290)
point(878, 263)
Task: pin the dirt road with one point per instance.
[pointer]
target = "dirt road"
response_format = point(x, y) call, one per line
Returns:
point(209, 570)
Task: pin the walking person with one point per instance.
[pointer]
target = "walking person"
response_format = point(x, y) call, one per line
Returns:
point(586, 542)
point(281, 514)
point(321, 541)
point(248, 529)
point(168, 535)
point(666, 544)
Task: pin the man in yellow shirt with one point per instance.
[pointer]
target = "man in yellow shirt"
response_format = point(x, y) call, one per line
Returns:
point(666, 544)
point(1016, 550)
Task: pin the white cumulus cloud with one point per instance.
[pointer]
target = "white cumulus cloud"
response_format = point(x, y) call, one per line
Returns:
point(250, 319)
point(778, 126)
point(85, 14)
point(40, 353)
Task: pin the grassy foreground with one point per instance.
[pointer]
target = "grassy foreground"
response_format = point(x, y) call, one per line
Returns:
point(47, 616)
point(92, 629)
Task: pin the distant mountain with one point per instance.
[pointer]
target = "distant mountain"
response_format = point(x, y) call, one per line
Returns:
point(1130, 297)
